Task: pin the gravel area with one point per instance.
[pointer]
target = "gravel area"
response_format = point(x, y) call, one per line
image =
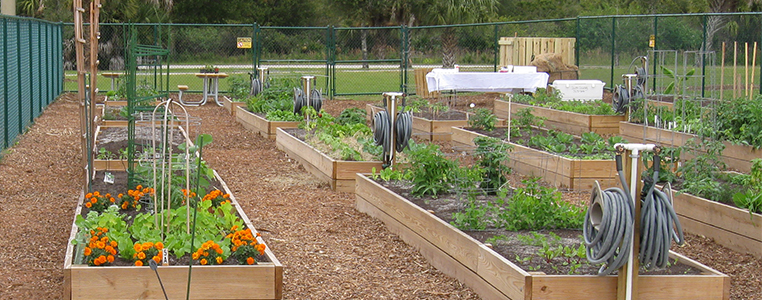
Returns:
point(328, 249)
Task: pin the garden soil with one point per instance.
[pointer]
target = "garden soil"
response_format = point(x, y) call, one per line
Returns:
point(328, 249)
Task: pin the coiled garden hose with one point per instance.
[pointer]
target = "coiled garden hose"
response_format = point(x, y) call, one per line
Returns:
point(404, 130)
point(316, 100)
point(620, 98)
point(381, 127)
point(299, 100)
point(657, 217)
point(256, 87)
point(608, 225)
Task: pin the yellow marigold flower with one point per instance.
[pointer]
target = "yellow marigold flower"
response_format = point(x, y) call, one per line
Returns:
point(159, 245)
point(219, 260)
point(88, 251)
point(250, 260)
point(203, 261)
point(141, 255)
point(139, 263)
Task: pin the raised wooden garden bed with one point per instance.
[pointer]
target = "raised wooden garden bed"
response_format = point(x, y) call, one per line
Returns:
point(261, 281)
point(579, 174)
point(259, 124)
point(107, 164)
point(727, 225)
point(737, 157)
point(494, 277)
point(231, 106)
point(569, 122)
point(340, 174)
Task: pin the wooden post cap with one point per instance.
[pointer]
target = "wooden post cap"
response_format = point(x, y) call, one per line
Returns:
point(182, 87)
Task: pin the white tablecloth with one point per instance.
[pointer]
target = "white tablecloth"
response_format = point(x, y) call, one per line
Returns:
point(486, 81)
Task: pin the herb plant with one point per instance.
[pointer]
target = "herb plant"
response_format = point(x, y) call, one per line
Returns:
point(483, 119)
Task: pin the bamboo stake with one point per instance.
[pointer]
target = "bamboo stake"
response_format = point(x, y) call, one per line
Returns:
point(746, 70)
point(735, 69)
point(722, 70)
point(753, 64)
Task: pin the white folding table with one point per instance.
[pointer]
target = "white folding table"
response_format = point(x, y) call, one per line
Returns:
point(486, 81)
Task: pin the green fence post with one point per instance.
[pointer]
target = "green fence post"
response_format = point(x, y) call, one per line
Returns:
point(656, 40)
point(613, 47)
point(703, 59)
point(31, 74)
point(5, 83)
point(497, 47)
point(18, 78)
point(576, 43)
point(403, 63)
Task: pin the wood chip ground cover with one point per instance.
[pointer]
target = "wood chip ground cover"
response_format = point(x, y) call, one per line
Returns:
point(329, 250)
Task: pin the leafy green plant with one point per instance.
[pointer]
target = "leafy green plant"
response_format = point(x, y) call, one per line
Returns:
point(352, 115)
point(524, 121)
point(751, 199)
point(483, 119)
point(677, 81)
point(699, 173)
point(387, 174)
point(429, 170)
point(238, 87)
point(553, 100)
point(535, 207)
point(740, 121)
point(492, 155)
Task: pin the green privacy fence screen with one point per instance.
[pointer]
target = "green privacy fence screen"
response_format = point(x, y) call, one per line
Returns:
point(357, 61)
point(31, 72)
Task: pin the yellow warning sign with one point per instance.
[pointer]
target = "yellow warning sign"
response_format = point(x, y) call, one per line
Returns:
point(652, 41)
point(243, 42)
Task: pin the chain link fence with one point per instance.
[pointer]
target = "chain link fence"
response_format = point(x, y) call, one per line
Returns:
point(358, 61)
point(31, 72)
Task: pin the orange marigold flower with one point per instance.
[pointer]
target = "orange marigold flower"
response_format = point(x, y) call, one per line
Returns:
point(88, 205)
point(124, 205)
point(113, 244)
point(96, 193)
point(109, 248)
point(195, 255)
point(250, 260)
point(139, 187)
point(218, 250)
point(203, 261)
point(94, 200)
point(110, 258)
point(88, 251)
point(108, 195)
point(141, 255)
point(148, 244)
point(219, 260)
point(139, 263)
point(104, 229)
point(205, 253)
point(159, 245)
point(100, 244)
point(157, 259)
point(145, 247)
point(234, 228)
point(138, 247)
point(89, 195)
point(92, 232)
point(120, 195)
point(112, 199)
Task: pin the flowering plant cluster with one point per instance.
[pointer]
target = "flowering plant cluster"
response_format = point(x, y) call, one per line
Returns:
point(147, 251)
point(245, 245)
point(97, 202)
point(217, 198)
point(133, 196)
point(100, 251)
point(210, 253)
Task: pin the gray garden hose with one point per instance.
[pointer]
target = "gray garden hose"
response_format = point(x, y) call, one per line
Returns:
point(620, 98)
point(657, 217)
point(404, 130)
point(256, 87)
point(381, 127)
point(608, 225)
point(299, 100)
point(316, 100)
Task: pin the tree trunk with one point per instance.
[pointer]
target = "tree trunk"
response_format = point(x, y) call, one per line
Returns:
point(364, 47)
point(449, 43)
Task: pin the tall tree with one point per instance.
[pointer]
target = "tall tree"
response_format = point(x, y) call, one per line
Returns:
point(448, 12)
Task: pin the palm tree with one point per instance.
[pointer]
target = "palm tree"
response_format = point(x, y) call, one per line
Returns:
point(448, 12)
